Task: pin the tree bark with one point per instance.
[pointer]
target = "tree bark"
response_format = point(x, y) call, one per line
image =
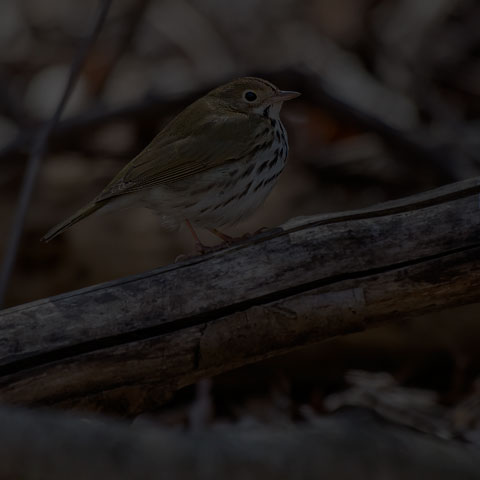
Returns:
point(127, 344)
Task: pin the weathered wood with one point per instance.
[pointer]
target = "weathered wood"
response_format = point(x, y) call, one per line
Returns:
point(41, 445)
point(312, 279)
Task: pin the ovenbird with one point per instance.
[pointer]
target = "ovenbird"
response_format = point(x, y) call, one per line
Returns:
point(211, 166)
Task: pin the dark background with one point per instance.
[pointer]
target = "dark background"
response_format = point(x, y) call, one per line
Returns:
point(390, 107)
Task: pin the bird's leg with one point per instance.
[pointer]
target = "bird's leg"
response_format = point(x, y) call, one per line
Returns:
point(201, 248)
point(229, 240)
point(226, 238)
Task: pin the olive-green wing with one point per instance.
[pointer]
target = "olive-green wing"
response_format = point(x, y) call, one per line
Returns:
point(168, 159)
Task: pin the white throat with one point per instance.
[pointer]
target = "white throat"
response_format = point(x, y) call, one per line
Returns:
point(272, 111)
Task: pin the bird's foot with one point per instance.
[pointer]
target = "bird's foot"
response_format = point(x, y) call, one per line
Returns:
point(204, 249)
point(228, 240)
point(255, 233)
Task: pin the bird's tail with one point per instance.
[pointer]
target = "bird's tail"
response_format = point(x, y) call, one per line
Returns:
point(76, 217)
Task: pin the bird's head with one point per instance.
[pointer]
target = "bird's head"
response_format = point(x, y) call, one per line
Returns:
point(251, 95)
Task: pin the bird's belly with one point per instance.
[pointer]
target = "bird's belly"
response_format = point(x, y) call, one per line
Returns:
point(224, 195)
point(241, 194)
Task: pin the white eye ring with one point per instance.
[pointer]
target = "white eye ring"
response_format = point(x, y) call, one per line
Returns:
point(250, 96)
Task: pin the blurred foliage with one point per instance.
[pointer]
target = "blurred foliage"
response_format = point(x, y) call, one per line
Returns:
point(402, 79)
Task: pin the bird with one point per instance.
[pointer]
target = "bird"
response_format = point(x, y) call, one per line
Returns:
point(211, 166)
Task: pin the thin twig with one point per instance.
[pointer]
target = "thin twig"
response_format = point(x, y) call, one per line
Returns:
point(39, 149)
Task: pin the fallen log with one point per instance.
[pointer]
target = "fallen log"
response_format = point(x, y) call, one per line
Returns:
point(126, 345)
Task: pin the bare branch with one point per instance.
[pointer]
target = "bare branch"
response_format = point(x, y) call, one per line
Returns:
point(39, 149)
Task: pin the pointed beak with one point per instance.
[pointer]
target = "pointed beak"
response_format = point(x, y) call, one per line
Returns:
point(283, 96)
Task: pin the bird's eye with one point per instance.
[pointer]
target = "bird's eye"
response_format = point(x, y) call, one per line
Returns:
point(250, 96)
